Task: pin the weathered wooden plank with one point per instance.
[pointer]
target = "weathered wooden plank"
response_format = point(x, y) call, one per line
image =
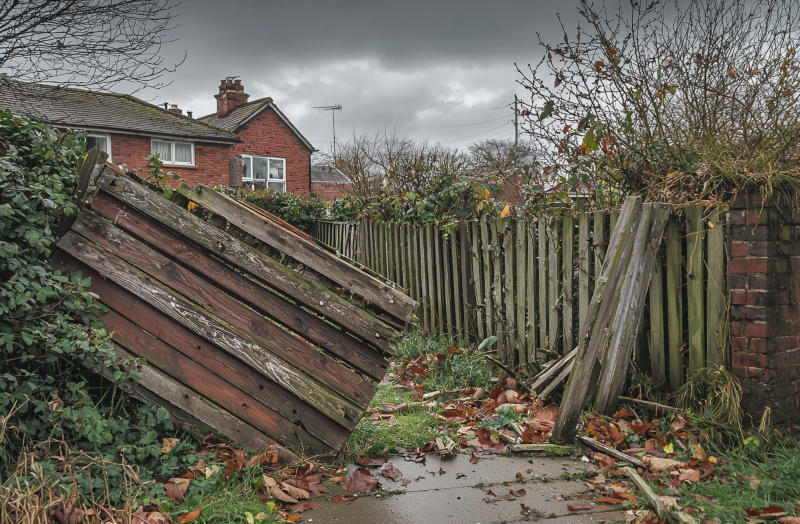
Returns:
point(440, 283)
point(459, 296)
point(584, 373)
point(362, 241)
point(93, 165)
point(448, 283)
point(715, 289)
point(220, 391)
point(390, 262)
point(267, 334)
point(476, 256)
point(209, 326)
point(612, 218)
point(631, 305)
point(401, 231)
point(599, 244)
point(695, 233)
point(544, 340)
point(200, 416)
point(302, 250)
point(658, 362)
point(554, 291)
point(555, 369)
point(432, 277)
point(423, 271)
point(584, 271)
point(567, 275)
point(510, 321)
point(522, 287)
point(488, 274)
point(248, 259)
point(674, 292)
point(556, 382)
point(258, 297)
point(530, 293)
point(496, 232)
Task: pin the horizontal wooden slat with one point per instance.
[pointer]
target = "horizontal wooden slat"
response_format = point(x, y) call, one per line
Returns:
point(302, 250)
point(254, 295)
point(248, 259)
point(219, 391)
point(269, 336)
point(272, 395)
point(198, 415)
point(212, 328)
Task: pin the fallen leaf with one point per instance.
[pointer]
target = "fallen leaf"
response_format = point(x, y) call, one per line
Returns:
point(608, 500)
point(168, 444)
point(294, 492)
point(689, 475)
point(361, 481)
point(176, 489)
point(390, 471)
point(370, 461)
point(302, 506)
point(344, 499)
point(789, 520)
point(668, 500)
point(580, 506)
point(276, 492)
point(518, 493)
point(188, 517)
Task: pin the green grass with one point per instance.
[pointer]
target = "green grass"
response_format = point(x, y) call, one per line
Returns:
point(776, 466)
point(416, 427)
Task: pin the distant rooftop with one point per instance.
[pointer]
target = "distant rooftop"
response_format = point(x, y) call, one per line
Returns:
point(328, 174)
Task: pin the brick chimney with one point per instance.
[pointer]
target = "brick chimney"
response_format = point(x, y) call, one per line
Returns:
point(231, 95)
point(174, 109)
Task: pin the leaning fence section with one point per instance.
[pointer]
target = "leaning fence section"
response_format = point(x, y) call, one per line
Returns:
point(529, 281)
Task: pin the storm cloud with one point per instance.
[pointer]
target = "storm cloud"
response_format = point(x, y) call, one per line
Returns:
point(437, 70)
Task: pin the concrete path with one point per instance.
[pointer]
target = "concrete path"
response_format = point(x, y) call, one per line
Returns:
point(455, 496)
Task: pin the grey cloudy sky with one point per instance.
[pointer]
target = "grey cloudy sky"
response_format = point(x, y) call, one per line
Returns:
point(434, 69)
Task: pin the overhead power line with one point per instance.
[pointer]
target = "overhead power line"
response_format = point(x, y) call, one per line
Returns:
point(476, 134)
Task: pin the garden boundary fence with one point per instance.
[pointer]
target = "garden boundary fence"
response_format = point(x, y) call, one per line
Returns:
point(528, 281)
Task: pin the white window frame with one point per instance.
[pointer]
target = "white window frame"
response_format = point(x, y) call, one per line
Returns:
point(107, 136)
point(266, 181)
point(172, 149)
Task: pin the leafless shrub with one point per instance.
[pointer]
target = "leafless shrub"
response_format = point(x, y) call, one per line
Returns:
point(500, 154)
point(702, 92)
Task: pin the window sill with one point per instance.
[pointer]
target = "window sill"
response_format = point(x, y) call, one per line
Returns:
point(180, 166)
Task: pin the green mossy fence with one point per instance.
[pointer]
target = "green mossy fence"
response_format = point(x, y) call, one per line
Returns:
point(529, 282)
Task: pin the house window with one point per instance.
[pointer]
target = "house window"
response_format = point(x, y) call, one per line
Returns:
point(172, 152)
point(264, 171)
point(98, 141)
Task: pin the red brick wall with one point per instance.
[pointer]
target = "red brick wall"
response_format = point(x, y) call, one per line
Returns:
point(330, 191)
point(211, 160)
point(268, 135)
point(765, 292)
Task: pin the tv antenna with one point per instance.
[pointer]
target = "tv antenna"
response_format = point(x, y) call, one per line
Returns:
point(332, 109)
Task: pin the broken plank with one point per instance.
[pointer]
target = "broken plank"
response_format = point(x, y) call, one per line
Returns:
point(546, 392)
point(241, 255)
point(266, 302)
point(302, 250)
point(271, 337)
point(209, 326)
point(611, 452)
point(552, 370)
point(549, 449)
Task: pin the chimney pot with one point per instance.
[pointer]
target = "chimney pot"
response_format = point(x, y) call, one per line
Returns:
point(189, 114)
point(231, 96)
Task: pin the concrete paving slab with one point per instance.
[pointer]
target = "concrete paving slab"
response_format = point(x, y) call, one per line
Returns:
point(452, 499)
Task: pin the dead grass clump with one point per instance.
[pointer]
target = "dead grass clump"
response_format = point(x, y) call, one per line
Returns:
point(713, 391)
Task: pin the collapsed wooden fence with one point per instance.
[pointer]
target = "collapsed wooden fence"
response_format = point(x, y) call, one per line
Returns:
point(247, 326)
point(529, 281)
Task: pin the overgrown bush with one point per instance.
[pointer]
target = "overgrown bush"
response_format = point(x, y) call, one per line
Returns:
point(57, 420)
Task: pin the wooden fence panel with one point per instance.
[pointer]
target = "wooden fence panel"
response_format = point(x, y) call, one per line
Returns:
point(695, 233)
point(568, 243)
point(530, 279)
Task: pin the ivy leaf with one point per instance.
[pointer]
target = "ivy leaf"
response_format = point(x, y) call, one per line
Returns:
point(548, 108)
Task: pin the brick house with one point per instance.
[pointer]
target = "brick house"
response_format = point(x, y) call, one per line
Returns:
point(329, 183)
point(241, 143)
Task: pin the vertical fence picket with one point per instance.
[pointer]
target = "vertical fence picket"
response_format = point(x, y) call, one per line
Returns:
point(431, 276)
point(694, 286)
point(413, 235)
point(599, 241)
point(530, 281)
point(612, 221)
point(567, 275)
point(487, 277)
point(554, 290)
point(522, 342)
point(509, 322)
point(448, 283)
point(658, 363)
point(437, 242)
point(497, 284)
point(477, 275)
point(458, 300)
point(424, 297)
point(584, 291)
point(715, 289)
point(543, 287)
point(674, 292)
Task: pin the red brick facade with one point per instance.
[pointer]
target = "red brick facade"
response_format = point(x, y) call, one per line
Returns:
point(211, 160)
point(268, 135)
point(764, 284)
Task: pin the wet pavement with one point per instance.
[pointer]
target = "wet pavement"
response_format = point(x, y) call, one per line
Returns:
point(452, 491)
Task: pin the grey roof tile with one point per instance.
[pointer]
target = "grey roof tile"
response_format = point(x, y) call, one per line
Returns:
point(77, 108)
